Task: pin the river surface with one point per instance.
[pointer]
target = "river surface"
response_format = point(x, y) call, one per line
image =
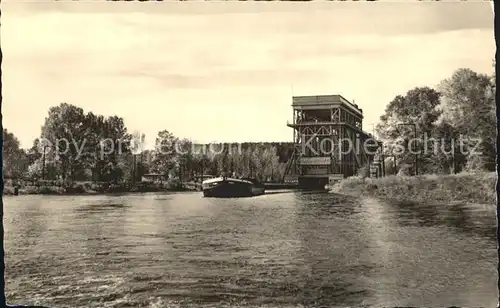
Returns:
point(288, 249)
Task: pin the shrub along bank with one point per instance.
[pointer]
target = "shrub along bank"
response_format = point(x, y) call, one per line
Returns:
point(463, 187)
point(96, 188)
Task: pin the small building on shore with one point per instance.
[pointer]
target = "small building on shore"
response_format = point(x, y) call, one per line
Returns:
point(154, 178)
point(200, 178)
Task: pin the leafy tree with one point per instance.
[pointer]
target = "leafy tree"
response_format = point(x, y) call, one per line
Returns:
point(221, 160)
point(35, 171)
point(448, 158)
point(15, 159)
point(137, 147)
point(84, 146)
point(236, 159)
point(64, 129)
point(95, 132)
point(163, 159)
point(118, 137)
point(418, 107)
point(257, 162)
point(35, 152)
point(101, 149)
point(468, 105)
point(184, 159)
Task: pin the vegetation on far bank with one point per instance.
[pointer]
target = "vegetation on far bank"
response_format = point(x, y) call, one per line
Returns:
point(57, 188)
point(461, 107)
point(452, 128)
point(479, 188)
point(458, 161)
point(172, 157)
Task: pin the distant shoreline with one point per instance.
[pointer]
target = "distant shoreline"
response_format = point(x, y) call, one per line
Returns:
point(477, 188)
point(93, 193)
point(86, 190)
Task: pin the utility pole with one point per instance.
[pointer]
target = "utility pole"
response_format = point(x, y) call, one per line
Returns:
point(202, 166)
point(43, 163)
point(180, 170)
point(383, 158)
point(415, 136)
point(141, 173)
point(453, 158)
point(416, 155)
point(134, 169)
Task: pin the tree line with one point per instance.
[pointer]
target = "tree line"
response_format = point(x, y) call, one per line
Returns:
point(71, 148)
point(462, 105)
point(459, 114)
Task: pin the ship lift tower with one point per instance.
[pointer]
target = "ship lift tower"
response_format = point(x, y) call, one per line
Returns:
point(329, 142)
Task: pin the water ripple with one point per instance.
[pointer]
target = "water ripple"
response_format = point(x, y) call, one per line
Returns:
point(288, 250)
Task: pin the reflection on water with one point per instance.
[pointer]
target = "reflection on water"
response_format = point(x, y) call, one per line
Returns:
point(285, 249)
point(464, 218)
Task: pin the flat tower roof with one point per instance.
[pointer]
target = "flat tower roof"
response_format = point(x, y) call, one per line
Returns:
point(335, 99)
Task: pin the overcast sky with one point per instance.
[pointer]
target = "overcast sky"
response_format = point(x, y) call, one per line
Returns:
point(227, 71)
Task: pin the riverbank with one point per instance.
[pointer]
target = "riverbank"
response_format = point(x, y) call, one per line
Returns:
point(86, 188)
point(456, 188)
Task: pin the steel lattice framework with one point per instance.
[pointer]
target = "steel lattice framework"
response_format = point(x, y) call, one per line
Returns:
point(329, 142)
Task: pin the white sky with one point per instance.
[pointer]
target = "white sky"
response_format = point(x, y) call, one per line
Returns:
point(226, 71)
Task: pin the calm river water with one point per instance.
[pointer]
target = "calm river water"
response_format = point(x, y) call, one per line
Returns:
point(282, 250)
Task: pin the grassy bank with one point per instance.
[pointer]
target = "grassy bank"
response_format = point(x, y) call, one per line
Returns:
point(92, 188)
point(463, 187)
